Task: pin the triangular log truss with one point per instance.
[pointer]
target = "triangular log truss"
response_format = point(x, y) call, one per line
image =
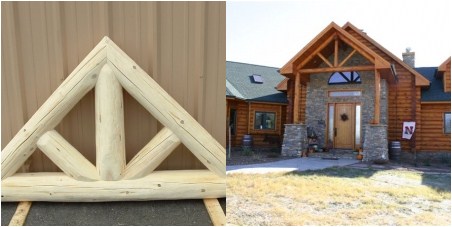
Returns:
point(107, 69)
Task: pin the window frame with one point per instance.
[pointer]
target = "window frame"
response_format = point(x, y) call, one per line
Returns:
point(351, 80)
point(444, 122)
point(234, 121)
point(343, 91)
point(265, 112)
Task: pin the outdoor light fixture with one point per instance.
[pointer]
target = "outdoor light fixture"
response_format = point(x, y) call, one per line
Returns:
point(394, 72)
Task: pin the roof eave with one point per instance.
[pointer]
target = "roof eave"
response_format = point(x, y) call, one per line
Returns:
point(419, 81)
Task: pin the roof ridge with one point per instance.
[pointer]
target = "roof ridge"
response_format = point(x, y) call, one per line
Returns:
point(244, 63)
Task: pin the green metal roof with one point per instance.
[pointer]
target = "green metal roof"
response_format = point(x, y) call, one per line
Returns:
point(240, 82)
point(436, 90)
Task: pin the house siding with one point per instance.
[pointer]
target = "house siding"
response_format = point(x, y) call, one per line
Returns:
point(245, 122)
point(432, 136)
point(403, 99)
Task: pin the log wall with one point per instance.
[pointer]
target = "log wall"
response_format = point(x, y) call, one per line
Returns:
point(181, 45)
point(245, 122)
point(400, 98)
point(432, 136)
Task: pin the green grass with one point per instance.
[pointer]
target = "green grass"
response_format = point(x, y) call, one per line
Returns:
point(339, 196)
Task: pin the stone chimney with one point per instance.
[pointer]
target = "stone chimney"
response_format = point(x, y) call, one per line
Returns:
point(408, 57)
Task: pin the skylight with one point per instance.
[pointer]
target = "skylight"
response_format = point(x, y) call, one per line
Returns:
point(257, 79)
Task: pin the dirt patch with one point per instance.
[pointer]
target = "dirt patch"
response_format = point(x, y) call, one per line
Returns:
point(340, 196)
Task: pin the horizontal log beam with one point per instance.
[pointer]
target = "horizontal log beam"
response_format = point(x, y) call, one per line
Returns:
point(150, 157)
point(159, 185)
point(339, 69)
point(66, 157)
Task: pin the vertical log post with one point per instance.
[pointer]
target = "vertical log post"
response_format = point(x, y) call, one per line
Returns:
point(336, 51)
point(296, 99)
point(377, 98)
point(110, 146)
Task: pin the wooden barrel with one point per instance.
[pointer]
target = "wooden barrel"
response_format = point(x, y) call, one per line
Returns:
point(395, 151)
point(247, 141)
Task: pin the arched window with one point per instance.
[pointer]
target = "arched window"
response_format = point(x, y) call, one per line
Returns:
point(345, 78)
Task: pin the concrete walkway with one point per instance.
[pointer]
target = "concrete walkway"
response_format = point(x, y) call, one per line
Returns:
point(289, 165)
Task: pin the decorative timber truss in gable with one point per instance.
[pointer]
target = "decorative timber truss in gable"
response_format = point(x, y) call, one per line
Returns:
point(328, 42)
point(313, 58)
point(107, 69)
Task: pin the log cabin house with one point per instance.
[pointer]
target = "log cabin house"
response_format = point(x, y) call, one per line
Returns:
point(254, 106)
point(353, 93)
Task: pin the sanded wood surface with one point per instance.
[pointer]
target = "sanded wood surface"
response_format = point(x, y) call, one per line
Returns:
point(166, 110)
point(110, 139)
point(21, 213)
point(66, 157)
point(159, 185)
point(181, 45)
point(69, 93)
point(152, 155)
point(215, 212)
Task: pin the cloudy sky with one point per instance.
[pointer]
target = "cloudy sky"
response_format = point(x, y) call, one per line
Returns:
point(271, 32)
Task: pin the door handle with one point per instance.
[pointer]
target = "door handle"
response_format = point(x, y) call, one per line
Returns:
point(335, 132)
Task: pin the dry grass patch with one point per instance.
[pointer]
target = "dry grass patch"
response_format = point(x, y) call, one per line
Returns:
point(339, 196)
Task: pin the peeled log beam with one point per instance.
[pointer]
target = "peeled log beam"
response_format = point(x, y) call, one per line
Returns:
point(150, 157)
point(66, 157)
point(215, 211)
point(159, 185)
point(49, 115)
point(166, 110)
point(110, 144)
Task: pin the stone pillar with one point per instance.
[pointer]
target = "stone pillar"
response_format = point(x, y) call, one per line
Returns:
point(295, 140)
point(375, 145)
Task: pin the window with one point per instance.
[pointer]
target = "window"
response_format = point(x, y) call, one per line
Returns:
point(447, 123)
point(233, 120)
point(344, 93)
point(358, 124)
point(264, 120)
point(345, 78)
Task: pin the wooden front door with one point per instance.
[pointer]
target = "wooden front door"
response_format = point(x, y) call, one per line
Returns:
point(344, 126)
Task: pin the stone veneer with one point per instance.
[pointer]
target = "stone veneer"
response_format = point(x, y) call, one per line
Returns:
point(317, 100)
point(375, 145)
point(295, 139)
point(317, 106)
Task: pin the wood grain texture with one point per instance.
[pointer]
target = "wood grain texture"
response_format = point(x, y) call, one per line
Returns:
point(166, 110)
point(152, 33)
point(81, 80)
point(152, 155)
point(215, 211)
point(110, 145)
point(432, 136)
point(245, 122)
point(66, 157)
point(21, 213)
point(159, 185)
